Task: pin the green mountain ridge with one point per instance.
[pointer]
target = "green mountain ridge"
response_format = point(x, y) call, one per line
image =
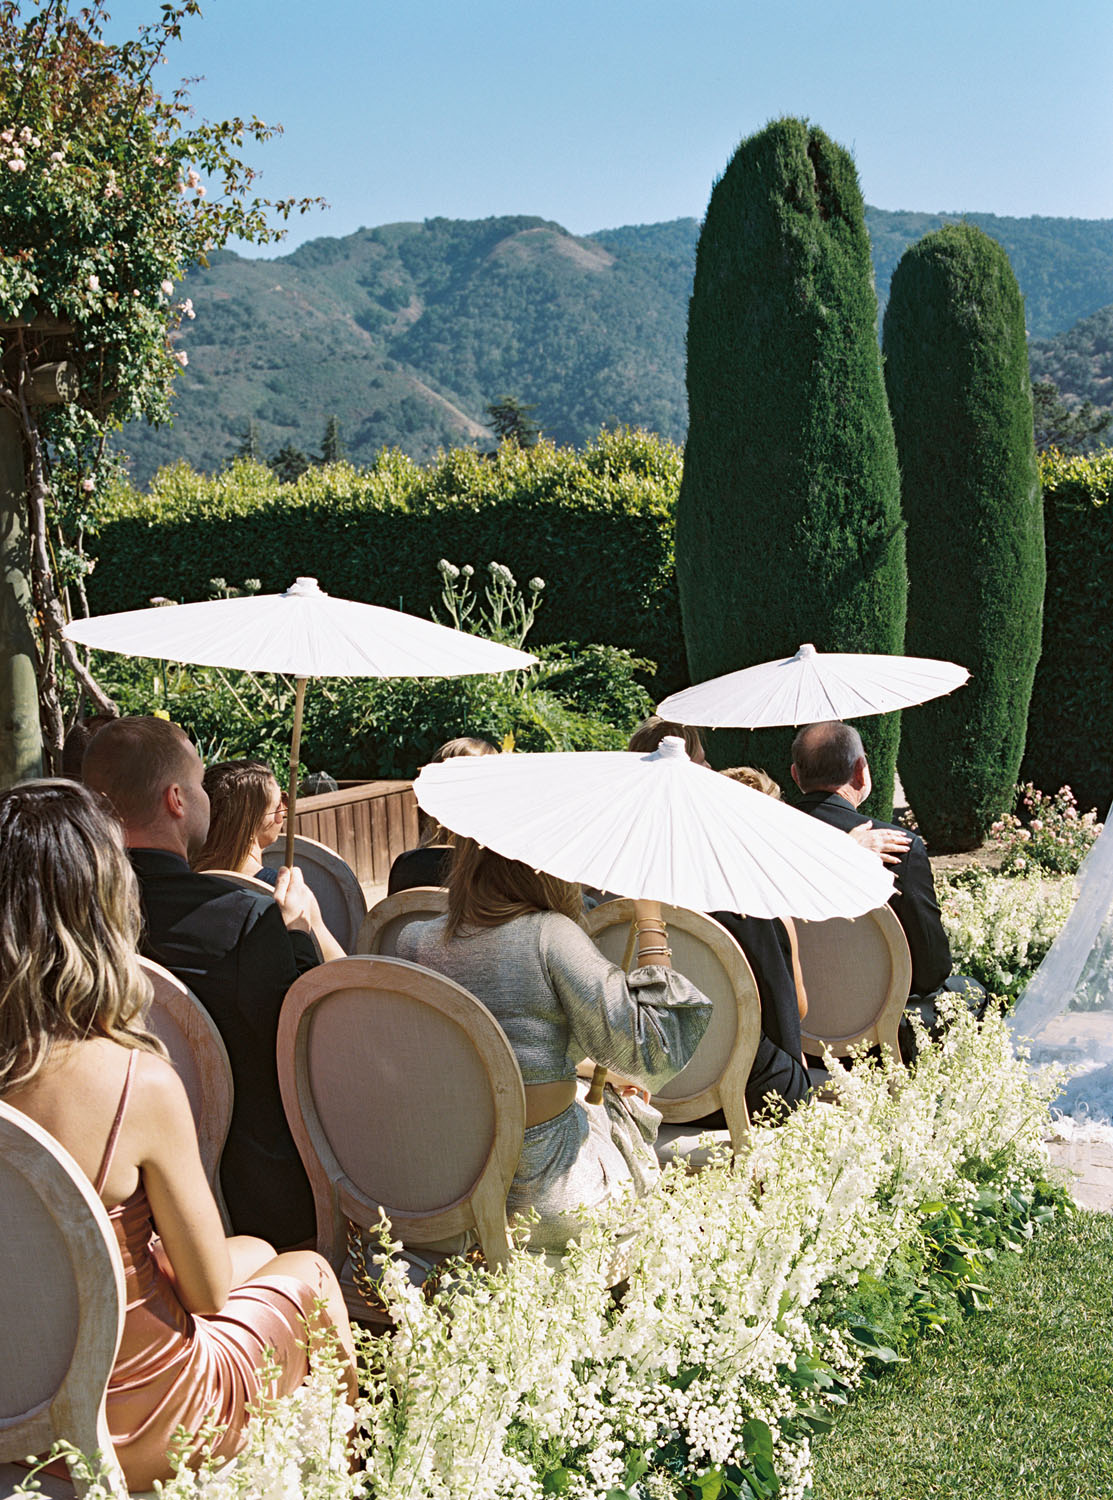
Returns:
point(406, 331)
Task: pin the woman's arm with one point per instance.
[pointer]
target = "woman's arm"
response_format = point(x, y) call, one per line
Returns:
point(185, 1214)
point(797, 973)
point(645, 1025)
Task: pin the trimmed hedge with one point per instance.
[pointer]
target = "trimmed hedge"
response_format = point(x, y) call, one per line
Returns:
point(595, 523)
point(956, 363)
point(1070, 722)
point(789, 527)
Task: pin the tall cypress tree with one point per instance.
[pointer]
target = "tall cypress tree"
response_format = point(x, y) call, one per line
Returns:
point(957, 372)
point(788, 525)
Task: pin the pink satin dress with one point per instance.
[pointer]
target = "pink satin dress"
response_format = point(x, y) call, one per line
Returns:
point(175, 1369)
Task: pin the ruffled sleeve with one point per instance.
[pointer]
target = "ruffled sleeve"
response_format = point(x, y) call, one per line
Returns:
point(645, 1024)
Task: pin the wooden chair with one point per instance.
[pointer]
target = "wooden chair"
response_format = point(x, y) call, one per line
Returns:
point(197, 1050)
point(332, 880)
point(857, 974)
point(715, 1077)
point(62, 1304)
point(387, 918)
point(402, 1094)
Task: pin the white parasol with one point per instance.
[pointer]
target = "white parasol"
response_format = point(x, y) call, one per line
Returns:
point(655, 827)
point(658, 828)
point(303, 633)
point(813, 686)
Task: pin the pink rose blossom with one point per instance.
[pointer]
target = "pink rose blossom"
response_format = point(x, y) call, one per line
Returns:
point(182, 357)
point(88, 485)
point(94, 283)
point(166, 287)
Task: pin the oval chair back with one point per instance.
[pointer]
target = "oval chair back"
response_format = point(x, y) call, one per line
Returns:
point(199, 1055)
point(705, 953)
point(388, 917)
point(857, 973)
point(62, 1302)
point(403, 1095)
point(332, 880)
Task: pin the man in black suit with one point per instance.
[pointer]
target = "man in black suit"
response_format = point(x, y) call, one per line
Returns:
point(829, 766)
point(237, 951)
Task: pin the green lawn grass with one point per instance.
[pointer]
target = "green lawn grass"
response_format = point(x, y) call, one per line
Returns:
point(1012, 1403)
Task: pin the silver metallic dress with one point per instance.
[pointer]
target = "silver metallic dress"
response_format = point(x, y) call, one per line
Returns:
point(559, 1000)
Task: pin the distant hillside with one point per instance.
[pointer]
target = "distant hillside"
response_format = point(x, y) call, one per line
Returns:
point(405, 332)
point(1080, 361)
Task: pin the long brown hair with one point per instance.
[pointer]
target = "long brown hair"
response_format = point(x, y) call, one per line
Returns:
point(69, 925)
point(486, 889)
point(239, 791)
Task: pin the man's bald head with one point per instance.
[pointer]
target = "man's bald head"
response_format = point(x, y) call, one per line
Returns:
point(826, 756)
point(133, 761)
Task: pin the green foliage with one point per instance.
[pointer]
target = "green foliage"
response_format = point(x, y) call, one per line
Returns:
point(1078, 429)
point(289, 464)
point(1079, 362)
point(788, 524)
point(513, 422)
point(333, 448)
point(405, 331)
point(1070, 722)
point(957, 373)
point(597, 524)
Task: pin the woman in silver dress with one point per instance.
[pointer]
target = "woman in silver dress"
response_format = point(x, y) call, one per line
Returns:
point(512, 937)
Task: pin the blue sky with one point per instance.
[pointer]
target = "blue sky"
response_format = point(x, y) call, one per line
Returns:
point(598, 113)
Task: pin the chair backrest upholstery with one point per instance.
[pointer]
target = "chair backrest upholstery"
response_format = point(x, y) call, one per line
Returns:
point(857, 973)
point(198, 1053)
point(402, 1093)
point(388, 917)
point(332, 880)
point(62, 1298)
point(705, 953)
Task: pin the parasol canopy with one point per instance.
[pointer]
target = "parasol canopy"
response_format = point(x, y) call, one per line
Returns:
point(655, 827)
point(813, 686)
point(303, 633)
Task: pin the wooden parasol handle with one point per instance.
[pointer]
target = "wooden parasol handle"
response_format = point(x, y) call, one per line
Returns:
point(295, 757)
point(648, 935)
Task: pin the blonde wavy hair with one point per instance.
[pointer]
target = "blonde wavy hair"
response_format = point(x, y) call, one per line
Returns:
point(486, 889)
point(755, 777)
point(69, 925)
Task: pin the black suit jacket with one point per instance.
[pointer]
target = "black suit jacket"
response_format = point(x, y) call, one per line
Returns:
point(232, 949)
point(914, 901)
point(777, 1066)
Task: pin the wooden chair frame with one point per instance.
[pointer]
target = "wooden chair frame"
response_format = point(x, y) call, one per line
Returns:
point(482, 1205)
point(76, 1409)
point(420, 901)
point(882, 1030)
point(310, 855)
point(210, 1056)
point(728, 1091)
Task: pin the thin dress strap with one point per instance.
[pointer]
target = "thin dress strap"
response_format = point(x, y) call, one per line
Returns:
point(106, 1159)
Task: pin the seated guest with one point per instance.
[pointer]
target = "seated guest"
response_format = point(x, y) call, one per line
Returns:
point(829, 766)
point(205, 1315)
point(237, 951)
point(512, 937)
point(247, 809)
point(429, 863)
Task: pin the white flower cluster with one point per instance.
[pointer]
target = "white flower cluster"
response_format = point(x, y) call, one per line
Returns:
point(1001, 927)
point(14, 145)
point(515, 1384)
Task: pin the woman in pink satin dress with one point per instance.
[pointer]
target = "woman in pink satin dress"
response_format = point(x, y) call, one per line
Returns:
point(202, 1309)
